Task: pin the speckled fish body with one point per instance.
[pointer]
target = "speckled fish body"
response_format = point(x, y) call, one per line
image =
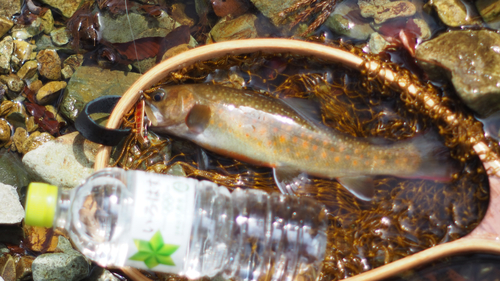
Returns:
point(266, 131)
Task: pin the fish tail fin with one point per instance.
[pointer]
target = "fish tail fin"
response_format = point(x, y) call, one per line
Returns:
point(436, 162)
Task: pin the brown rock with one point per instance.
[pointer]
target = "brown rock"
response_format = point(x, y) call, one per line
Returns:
point(35, 86)
point(49, 92)
point(4, 132)
point(239, 28)
point(40, 238)
point(31, 126)
point(453, 13)
point(23, 267)
point(7, 268)
point(47, 22)
point(20, 136)
point(180, 16)
point(383, 10)
point(22, 52)
point(66, 7)
point(5, 25)
point(13, 82)
point(235, 8)
point(28, 70)
point(49, 64)
point(175, 51)
point(9, 8)
point(53, 110)
point(35, 140)
point(490, 11)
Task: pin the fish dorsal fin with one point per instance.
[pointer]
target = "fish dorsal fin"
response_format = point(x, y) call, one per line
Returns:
point(289, 181)
point(361, 186)
point(307, 109)
point(198, 118)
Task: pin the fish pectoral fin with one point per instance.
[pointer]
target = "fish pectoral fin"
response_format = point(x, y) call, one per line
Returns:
point(198, 118)
point(361, 186)
point(289, 181)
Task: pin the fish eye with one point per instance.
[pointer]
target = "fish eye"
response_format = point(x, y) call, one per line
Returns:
point(158, 95)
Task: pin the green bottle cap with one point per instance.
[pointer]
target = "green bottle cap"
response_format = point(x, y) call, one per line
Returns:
point(41, 204)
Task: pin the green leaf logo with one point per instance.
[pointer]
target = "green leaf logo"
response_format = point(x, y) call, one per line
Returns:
point(154, 251)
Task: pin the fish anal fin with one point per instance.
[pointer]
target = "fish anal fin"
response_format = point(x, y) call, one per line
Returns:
point(198, 118)
point(362, 187)
point(289, 181)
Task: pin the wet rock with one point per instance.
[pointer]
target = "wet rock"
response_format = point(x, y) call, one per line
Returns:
point(49, 64)
point(40, 239)
point(35, 86)
point(22, 52)
point(45, 42)
point(31, 126)
point(180, 16)
point(231, 29)
point(28, 70)
point(101, 274)
point(5, 132)
point(20, 136)
point(11, 210)
point(88, 83)
point(23, 267)
point(17, 115)
point(7, 268)
point(272, 9)
point(66, 7)
point(490, 12)
point(9, 7)
point(35, 140)
point(74, 61)
point(425, 30)
point(13, 82)
point(6, 49)
point(235, 8)
point(472, 59)
point(142, 26)
point(12, 170)
point(383, 10)
point(49, 92)
point(60, 36)
point(453, 13)
point(64, 161)
point(53, 110)
point(175, 51)
point(47, 22)
point(20, 32)
point(342, 23)
point(69, 265)
point(378, 43)
point(5, 25)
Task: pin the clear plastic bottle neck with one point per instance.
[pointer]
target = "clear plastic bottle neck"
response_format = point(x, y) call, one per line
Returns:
point(63, 212)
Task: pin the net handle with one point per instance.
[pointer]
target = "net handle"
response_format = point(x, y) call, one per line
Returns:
point(278, 45)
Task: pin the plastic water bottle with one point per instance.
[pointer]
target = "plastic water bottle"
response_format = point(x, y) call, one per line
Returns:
point(185, 226)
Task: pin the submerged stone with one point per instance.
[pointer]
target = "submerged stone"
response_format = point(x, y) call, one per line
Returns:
point(272, 9)
point(28, 70)
point(66, 7)
point(490, 12)
point(6, 49)
point(342, 23)
point(453, 13)
point(49, 64)
point(116, 28)
point(8, 8)
point(5, 25)
point(89, 83)
point(227, 29)
point(472, 60)
point(383, 10)
point(50, 92)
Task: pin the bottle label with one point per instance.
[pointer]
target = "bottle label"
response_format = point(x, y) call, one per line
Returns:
point(162, 222)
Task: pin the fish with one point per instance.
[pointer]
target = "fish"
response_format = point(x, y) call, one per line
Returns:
point(275, 133)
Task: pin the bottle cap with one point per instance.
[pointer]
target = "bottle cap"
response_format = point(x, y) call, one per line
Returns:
point(41, 204)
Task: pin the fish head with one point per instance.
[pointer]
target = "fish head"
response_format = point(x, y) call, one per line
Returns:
point(169, 106)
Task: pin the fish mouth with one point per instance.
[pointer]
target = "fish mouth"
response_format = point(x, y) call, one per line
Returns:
point(153, 113)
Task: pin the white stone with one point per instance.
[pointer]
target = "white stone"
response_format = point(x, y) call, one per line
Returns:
point(11, 210)
point(64, 162)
